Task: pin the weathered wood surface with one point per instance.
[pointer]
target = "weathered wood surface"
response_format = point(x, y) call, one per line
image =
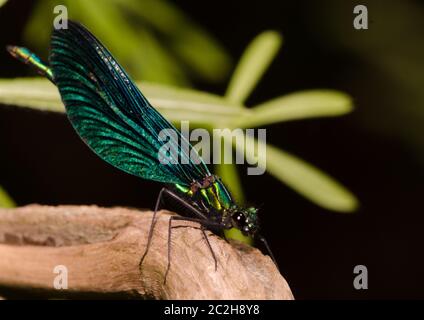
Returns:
point(101, 249)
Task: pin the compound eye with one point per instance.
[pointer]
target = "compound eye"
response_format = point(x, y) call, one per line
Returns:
point(239, 218)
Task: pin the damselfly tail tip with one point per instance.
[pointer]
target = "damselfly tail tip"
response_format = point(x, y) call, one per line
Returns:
point(16, 52)
point(12, 49)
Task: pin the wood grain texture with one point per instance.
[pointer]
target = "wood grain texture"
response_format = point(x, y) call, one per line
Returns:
point(102, 247)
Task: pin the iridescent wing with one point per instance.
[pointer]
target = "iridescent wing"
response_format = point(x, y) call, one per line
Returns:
point(111, 114)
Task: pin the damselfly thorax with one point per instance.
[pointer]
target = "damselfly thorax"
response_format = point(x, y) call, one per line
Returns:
point(212, 198)
point(209, 196)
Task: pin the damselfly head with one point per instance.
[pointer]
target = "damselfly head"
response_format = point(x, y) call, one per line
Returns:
point(245, 219)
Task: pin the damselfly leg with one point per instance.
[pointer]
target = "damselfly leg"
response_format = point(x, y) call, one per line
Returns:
point(202, 220)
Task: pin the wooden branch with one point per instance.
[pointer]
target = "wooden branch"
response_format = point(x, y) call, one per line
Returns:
point(101, 249)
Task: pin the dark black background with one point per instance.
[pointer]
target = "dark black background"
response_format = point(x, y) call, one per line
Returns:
point(43, 161)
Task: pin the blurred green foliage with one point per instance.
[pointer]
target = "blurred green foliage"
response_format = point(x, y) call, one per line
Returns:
point(154, 39)
point(391, 73)
point(294, 172)
point(212, 111)
point(129, 29)
point(5, 200)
